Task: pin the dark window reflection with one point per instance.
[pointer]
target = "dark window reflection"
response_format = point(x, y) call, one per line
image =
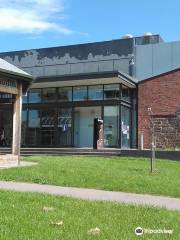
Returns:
point(23, 127)
point(65, 94)
point(126, 96)
point(111, 91)
point(49, 95)
point(47, 127)
point(64, 126)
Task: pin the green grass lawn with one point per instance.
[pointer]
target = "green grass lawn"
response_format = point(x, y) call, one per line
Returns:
point(110, 173)
point(23, 218)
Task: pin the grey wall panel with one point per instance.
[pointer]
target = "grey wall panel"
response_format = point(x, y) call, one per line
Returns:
point(70, 54)
point(35, 71)
point(91, 67)
point(77, 68)
point(162, 58)
point(143, 61)
point(106, 65)
point(50, 71)
point(176, 54)
point(63, 69)
point(154, 59)
point(122, 65)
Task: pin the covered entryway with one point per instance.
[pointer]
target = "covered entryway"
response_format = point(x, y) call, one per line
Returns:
point(13, 83)
point(83, 125)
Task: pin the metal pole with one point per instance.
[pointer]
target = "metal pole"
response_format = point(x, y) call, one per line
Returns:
point(153, 149)
point(153, 144)
point(142, 141)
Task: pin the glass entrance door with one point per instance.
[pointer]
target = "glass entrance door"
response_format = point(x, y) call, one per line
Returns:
point(48, 127)
point(64, 127)
point(111, 126)
point(83, 125)
point(125, 127)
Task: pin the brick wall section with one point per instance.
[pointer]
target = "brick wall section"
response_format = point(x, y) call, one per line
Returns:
point(162, 95)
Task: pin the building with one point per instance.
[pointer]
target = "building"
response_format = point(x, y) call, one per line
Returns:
point(74, 84)
point(13, 83)
point(161, 93)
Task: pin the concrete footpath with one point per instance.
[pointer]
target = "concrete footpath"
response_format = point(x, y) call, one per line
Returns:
point(92, 194)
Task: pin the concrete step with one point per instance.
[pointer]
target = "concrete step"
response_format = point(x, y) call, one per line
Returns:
point(64, 151)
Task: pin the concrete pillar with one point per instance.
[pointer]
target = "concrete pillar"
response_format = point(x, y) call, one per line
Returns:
point(17, 109)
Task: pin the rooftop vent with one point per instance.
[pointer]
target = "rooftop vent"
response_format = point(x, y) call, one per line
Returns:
point(147, 34)
point(126, 36)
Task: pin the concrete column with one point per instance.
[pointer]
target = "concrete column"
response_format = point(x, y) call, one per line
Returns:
point(17, 109)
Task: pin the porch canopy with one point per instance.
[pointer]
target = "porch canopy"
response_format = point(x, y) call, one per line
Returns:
point(93, 78)
point(16, 82)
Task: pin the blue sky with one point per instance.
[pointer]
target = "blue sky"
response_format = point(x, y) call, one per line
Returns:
point(27, 24)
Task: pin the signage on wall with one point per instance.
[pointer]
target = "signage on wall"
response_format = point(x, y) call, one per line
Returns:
point(125, 129)
point(8, 86)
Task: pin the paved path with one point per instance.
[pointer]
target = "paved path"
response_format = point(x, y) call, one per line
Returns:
point(92, 194)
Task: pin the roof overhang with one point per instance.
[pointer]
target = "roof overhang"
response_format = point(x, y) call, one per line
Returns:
point(85, 79)
point(11, 76)
point(7, 77)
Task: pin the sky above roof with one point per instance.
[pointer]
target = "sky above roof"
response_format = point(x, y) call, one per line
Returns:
point(27, 24)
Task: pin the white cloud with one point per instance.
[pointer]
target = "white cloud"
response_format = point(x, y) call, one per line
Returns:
point(32, 16)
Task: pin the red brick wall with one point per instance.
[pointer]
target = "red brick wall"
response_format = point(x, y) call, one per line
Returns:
point(162, 95)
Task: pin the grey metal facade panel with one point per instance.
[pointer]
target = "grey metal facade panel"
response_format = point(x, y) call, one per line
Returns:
point(122, 65)
point(176, 54)
point(82, 67)
point(143, 61)
point(77, 68)
point(90, 67)
point(154, 59)
point(106, 66)
point(83, 58)
point(71, 54)
point(35, 71)
point(162, 58)
point(63, 69)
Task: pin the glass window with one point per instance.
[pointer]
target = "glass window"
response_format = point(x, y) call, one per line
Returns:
point(33, 135)
point(49, 95)
point(23, 126)
point(47, 127)
point(35, 96)
point(34, 119)
point(64, 126)
point(80, 93)
point(25, 98)
point(65, 94)
point(111, 119)
point(95, 92)
point(111, 91)
point(47, 119)
point(126, 94)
